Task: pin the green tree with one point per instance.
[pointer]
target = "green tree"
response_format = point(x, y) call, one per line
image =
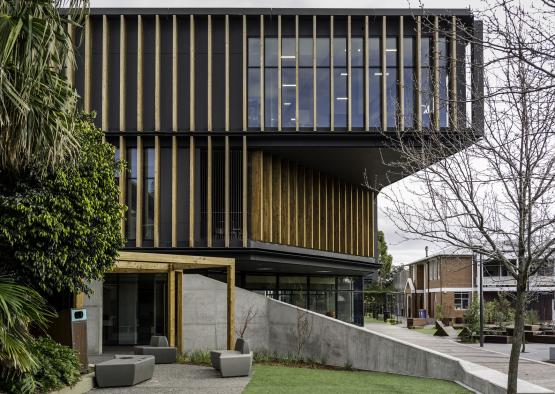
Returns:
point(37, 104)
point(60, 231)
point(472, 315)
point(19, 308)
point(385, 260)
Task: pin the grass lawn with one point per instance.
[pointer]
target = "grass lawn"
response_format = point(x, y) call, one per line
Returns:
point(368, 319)
point(279, 379)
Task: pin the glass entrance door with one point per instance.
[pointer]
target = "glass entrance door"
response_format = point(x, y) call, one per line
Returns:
point(135, 307)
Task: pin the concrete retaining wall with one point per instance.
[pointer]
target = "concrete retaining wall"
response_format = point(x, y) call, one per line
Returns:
point(93, 303)
point(205, 315)
point(331, 341)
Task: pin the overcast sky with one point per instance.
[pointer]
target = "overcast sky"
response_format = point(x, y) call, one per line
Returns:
point(403, 251)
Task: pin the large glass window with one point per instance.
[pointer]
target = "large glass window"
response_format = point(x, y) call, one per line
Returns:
point(322, 295)
point(409, 77)
point(340, 82)
point(443, 83)
point(254, 83)
point(345, 299)
point(131, 194)
point(392, 82)
point(288, 83)
point(305, 83)
point(461, 300)
point(292, 289)
point(270, 82)
point(261, 284)
point(357, 82)
point(426, 83)
point(148, 194)
point(375, 81)
point(323, 82)
point(135, 308)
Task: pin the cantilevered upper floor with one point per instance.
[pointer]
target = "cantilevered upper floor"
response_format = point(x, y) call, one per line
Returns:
point(280, 70)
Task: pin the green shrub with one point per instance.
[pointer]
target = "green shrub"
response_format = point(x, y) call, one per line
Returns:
point(472, 316)
point(532, 317)
point(197, 357)
point(439, 312)
point(58, 367)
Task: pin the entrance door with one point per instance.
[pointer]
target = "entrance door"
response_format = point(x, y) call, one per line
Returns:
point(135, 307)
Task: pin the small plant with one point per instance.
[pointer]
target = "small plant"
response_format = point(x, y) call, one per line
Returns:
point(438, 312)
point(348, 365)
point(532, 317)
point(248, 317)
point(196, 357)
point(304, 329)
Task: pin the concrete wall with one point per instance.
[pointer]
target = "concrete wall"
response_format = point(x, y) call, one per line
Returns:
point(331, 341)
point(205, 315)
point(93, 303)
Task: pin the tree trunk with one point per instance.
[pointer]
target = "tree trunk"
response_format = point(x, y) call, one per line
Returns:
point(517, 337)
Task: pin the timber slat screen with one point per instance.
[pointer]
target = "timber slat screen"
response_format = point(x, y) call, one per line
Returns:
point(179, 95)
point(289, 207)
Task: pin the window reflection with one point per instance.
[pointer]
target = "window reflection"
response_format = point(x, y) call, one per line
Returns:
point(443, 83)
point(131, 195)
point(375, 75)
point(357, 82)
point(323, 82)
point(270, 83)
point(391, 82)
point(340, 81)
point(425, 83)
point(300, 86)
point(288, 83)
point(254, 83)
point(409, 79)
point(148, 194)
point(305, 83)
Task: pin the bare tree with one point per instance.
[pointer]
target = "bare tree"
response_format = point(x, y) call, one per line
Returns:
point(305, 322)
point(491, 191)
point(247, 318)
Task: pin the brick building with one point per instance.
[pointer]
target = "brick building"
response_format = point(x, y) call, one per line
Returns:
point(451, 280)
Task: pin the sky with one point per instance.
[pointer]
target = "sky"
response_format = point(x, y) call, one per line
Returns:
point(403, 251)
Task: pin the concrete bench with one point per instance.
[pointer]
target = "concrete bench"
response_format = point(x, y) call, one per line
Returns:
point(236, 362)
point(160, 349)
point(124, 370)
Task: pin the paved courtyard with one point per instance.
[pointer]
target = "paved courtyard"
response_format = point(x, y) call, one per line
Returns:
point(181, 378)
point(495, 356)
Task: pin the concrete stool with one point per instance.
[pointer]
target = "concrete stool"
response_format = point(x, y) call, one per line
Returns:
point(124, 370)
point(215, 355)
point(160, 349)
point(162, 355)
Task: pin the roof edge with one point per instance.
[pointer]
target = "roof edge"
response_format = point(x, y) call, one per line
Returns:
point(461, 12)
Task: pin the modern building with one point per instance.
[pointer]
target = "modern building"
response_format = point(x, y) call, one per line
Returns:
point(248, 134)
point(452, 280)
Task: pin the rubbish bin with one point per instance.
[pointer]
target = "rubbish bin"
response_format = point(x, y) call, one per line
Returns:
point(70, 329)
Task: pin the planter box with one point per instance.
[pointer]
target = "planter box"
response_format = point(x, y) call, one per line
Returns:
point(541, 339)
point(416, 322)
point(497, 339)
